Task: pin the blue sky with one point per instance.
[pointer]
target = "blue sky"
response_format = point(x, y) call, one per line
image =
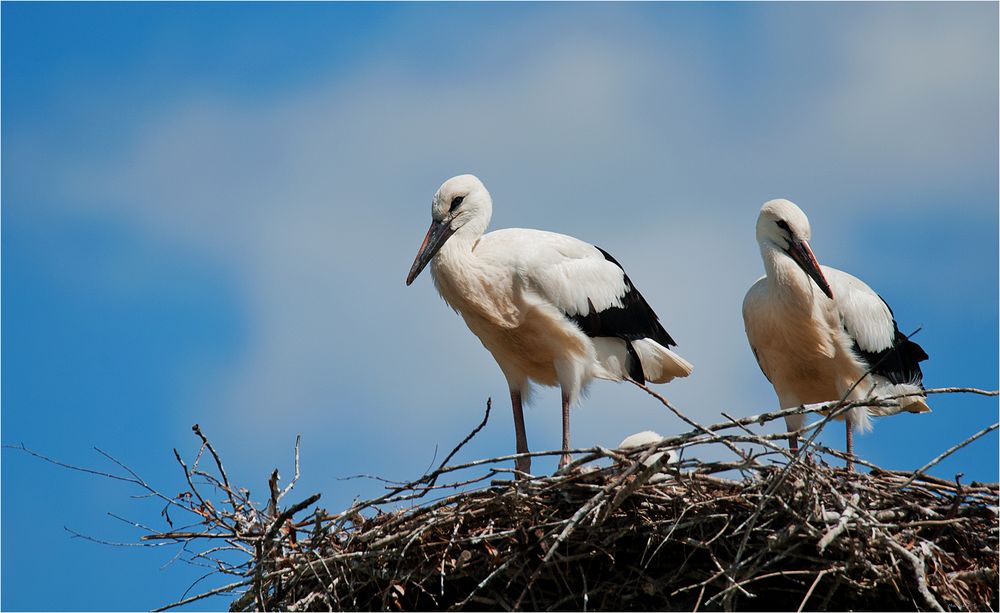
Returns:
point(209, 210)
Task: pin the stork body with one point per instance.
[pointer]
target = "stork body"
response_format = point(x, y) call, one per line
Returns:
point(551, 309)
point(820, 334)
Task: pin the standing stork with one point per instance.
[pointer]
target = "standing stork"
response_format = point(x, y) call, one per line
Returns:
point(820, 334)
point(550, 308)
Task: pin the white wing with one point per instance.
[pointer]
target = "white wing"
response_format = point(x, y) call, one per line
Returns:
point(566, 271)
point(865, 316)
point(588, 286)
point(753, 303)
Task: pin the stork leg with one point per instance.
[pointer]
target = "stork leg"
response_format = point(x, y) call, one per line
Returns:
point(565, 459)
point(521, 464)
point(850, 443)
point(793, 423)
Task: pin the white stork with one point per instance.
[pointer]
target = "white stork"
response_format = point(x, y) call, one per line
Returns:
point(550, 308)
point(816, 331)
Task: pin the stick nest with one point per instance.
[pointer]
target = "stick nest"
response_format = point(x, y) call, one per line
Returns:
point(811, 537)
point(618, 530)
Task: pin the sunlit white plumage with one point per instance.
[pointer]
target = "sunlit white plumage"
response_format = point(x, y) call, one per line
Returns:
point(550, 308)
point(648, 437)
point(816, 331)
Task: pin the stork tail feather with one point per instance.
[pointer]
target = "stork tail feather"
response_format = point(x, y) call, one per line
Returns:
point(659, 363)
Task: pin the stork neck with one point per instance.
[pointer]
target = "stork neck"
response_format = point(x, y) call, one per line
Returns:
point(785, 275)
point(456, 256)
point(462, 277)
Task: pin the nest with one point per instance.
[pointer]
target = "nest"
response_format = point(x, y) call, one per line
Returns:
point(617, 530)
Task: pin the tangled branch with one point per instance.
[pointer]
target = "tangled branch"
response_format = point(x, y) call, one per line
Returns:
point(763, 528)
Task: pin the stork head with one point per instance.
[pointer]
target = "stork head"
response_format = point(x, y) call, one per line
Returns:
point(783, 226)
point(460, 204)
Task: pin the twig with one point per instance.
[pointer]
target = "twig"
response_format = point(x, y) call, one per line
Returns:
point(919, 472)
point(219, 590)
point(295, 478)
point(288, 513)
point(919, 573)
point(218, 463)
point(475, 431)
point(805, 599)
point(608, 532)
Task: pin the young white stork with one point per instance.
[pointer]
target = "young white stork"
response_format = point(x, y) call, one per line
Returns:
point(816, 331)
point(550, 308)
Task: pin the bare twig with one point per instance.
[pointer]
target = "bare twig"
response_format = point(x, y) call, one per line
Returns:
point(475, 431)
point(608, 532)
point(218, 463)
point(920, 471)
point(295, 478)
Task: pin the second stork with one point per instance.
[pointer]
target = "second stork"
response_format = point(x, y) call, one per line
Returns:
point(820, 334)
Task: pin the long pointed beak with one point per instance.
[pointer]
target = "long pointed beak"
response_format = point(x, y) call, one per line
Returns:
point(803, 256)
point(437, 234)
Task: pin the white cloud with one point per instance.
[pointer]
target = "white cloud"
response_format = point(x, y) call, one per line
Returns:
point(316, 203)
point(916, 101)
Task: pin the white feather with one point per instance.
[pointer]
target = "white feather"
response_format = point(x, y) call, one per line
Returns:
point(568, 272)
point(865, 316)
point(659, 363)
point(648, 437)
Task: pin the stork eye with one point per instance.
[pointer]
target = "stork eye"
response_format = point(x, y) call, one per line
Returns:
point(783, 225)
point(456, 202)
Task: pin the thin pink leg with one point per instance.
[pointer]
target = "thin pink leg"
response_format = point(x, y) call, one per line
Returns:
point(522, 464)
point(565, 459)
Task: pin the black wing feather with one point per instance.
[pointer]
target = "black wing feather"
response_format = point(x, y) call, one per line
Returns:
point(633, 320)
point(900, 362)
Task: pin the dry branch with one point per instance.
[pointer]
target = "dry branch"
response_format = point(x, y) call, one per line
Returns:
point(765, 529)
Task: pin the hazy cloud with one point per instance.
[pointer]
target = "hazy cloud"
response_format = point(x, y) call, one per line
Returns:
point(316, 201)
